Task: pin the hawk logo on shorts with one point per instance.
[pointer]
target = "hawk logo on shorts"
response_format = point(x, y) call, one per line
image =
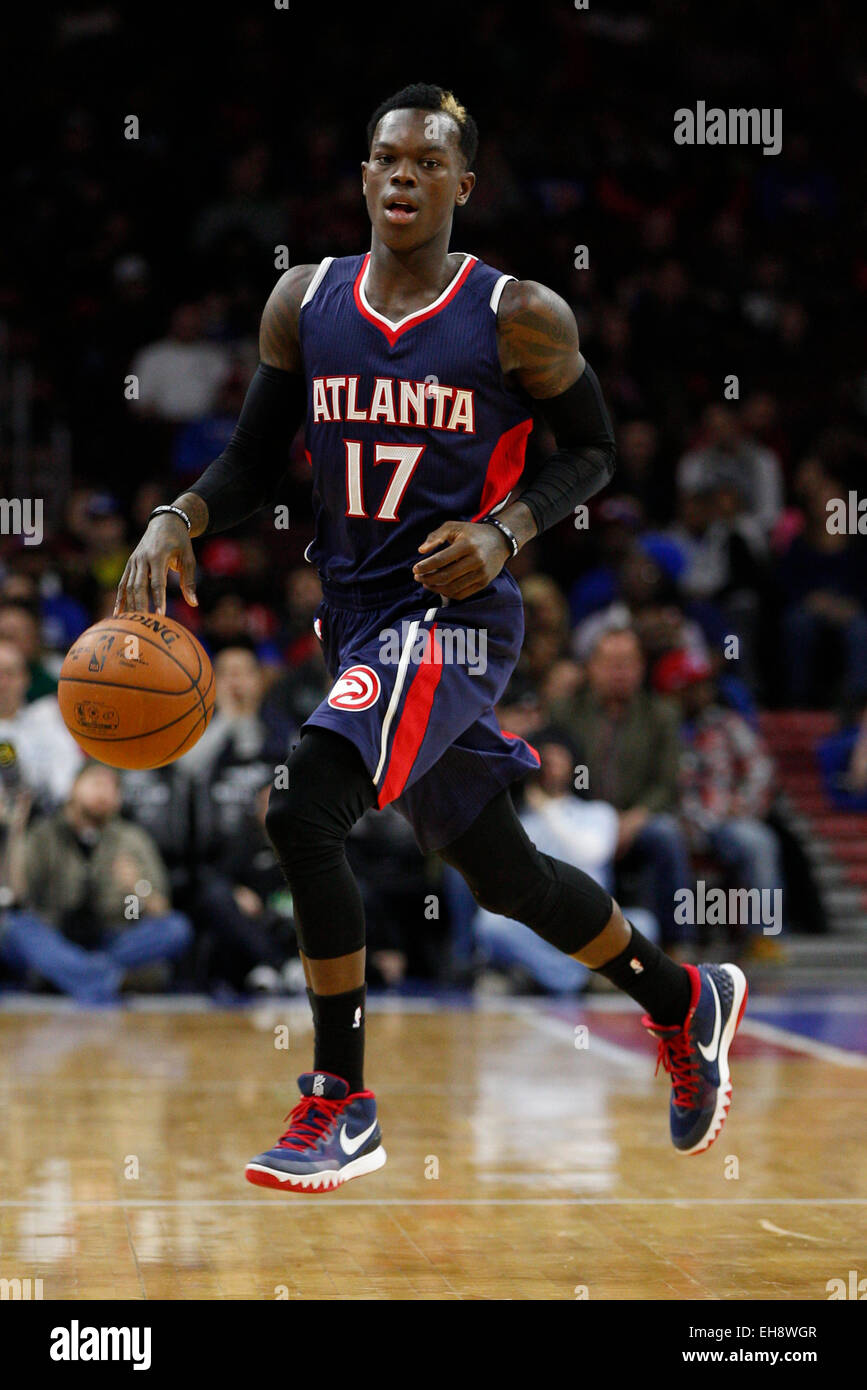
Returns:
point(357, 688)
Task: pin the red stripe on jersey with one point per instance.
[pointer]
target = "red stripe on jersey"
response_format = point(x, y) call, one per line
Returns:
point(505, 466)
point(392, 334)
point(414, 720)
point(507, 733)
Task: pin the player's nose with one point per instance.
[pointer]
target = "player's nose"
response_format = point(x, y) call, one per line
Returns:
point(403, 174)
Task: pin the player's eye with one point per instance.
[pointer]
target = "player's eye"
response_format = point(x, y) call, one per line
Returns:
point(431, 163)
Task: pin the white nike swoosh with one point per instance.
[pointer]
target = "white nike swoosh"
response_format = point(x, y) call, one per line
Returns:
point(709, 1053)
point(351, 1146)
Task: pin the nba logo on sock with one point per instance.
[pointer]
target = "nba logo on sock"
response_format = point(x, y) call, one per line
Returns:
point(319, 1085)
point(357, 1022)
point(635, 964)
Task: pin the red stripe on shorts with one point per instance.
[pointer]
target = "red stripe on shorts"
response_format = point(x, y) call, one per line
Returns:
point(413, 722)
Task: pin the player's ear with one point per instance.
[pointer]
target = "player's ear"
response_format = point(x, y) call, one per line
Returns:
point(364, 168)
point(465, 188)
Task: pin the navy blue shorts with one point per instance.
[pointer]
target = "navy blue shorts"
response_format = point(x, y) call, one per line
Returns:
point(415, 684)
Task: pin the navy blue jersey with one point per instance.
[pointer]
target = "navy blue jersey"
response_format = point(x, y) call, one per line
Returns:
point(409, 424)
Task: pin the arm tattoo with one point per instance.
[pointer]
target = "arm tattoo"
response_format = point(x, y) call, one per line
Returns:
point(278, 332)
point(538, 339)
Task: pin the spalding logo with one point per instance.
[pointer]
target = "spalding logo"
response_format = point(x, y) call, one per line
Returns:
point(357, 688)
point(90, 715)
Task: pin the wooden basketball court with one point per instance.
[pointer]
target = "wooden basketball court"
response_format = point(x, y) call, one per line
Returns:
point(521, 1166)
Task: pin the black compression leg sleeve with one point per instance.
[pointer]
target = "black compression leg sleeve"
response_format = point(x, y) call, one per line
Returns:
point(507, 874)
point(308, 822)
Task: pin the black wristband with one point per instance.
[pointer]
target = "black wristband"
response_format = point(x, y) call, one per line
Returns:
point(178, 511)
point(504, 531)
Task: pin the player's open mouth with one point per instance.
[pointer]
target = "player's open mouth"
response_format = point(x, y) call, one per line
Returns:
point(399, 211)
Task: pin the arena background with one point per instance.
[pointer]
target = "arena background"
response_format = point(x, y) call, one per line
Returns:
point(702, 263)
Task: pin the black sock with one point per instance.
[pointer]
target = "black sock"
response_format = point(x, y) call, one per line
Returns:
point(652, 979)
point(338, 1031)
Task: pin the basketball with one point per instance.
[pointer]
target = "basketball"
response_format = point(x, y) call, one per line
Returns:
point(136, 691)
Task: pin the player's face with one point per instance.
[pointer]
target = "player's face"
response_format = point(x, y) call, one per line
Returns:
point(414, 178)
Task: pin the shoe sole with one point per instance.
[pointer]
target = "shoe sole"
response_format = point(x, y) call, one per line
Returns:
point(724, 1094)
point(327, 1181)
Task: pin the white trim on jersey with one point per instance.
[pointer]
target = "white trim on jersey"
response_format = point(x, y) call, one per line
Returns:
point(398, 689)
point(317, 280)
point(408, 318)
point(497, 291)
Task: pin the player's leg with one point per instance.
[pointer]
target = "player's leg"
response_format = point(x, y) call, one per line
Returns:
point(333, 1133)
point(693, 1011)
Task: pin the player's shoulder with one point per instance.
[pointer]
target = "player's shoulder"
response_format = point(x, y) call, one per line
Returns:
point(537, 334)
point(292, 286)
point(278, 331)
point(524, 301)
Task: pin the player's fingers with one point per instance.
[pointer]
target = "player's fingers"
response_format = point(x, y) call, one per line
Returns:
point(461, 569)
point(120, 599)
point(188, 576)
point(133, 587)
point(443, 558)
point(443, 533)
point(158, 572)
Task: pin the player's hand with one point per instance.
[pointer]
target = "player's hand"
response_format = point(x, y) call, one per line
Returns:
point(165, 546)
point(472, 556)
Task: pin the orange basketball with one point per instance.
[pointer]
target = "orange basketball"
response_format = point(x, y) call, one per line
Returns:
point(136, 691)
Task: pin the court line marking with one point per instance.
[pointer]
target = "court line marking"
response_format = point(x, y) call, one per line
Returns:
point(639, 1063)
point(798, 1235)
point(445, 1203)
point(635, 1061)
point(798, 1042)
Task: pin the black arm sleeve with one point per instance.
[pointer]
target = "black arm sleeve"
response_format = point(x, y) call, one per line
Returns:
point(247, 472)
point(584, 461)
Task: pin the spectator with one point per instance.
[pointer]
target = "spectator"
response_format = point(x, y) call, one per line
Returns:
point(19, 624)
point(245, 907)
point(87, 874)
point(180, 376)
point(583, 833)
point(756, 469)
point(722, 571)
point(823, 580)
point(726, 777)
point(236, 754)
point(47, 753)
point(628, 740)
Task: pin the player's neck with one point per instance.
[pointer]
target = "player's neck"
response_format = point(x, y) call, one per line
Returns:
point(397, 277)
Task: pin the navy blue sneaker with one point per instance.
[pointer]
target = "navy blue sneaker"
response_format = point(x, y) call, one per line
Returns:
point(696, 1055)
point(332, 1137)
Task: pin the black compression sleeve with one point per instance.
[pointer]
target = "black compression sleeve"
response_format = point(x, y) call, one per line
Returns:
point(248, 470)
point(584, 461)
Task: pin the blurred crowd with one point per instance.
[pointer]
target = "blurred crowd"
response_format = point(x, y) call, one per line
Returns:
point(719, 301)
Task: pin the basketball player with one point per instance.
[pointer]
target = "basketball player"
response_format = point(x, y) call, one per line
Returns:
point(419, 372)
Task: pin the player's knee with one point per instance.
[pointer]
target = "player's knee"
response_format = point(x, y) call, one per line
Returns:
point(300, 829)
point(308, 820)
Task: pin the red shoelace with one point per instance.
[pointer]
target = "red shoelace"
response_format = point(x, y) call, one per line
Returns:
point(679, 1060)
point(308, 1122)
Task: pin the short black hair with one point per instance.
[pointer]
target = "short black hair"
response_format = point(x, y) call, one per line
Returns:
point(425, 96)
